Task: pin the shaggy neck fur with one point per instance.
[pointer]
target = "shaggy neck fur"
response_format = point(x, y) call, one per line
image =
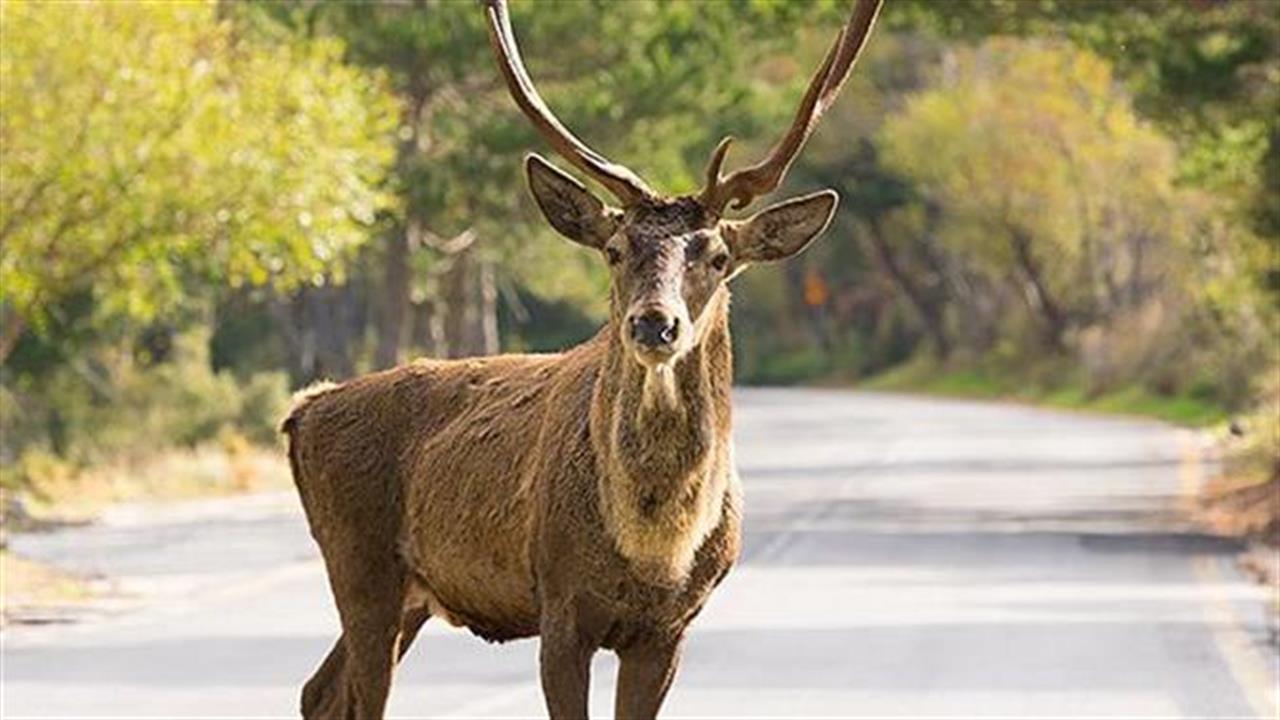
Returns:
point(662, 439)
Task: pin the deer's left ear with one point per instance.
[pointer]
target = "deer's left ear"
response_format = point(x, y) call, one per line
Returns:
point(781, 230)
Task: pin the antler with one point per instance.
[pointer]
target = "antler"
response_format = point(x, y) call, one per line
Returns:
point(622, 182)
point(743, 186)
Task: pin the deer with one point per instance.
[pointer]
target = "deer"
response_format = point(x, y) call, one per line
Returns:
point(588, 498)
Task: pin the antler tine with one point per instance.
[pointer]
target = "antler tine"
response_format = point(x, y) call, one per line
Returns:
point(743, 186)
point(622, 182)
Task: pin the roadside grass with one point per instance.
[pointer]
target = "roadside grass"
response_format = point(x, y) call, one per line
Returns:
point(1244, 499)
point(1043, 385)
point(43, 492)
point(54, 491)
point(26, 584)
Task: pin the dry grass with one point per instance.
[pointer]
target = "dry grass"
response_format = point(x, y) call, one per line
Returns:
point(1050, 383)
point(25, 584)
point(1245, 507)
point(58, 493)
point(1245, 499)
point(228, 467)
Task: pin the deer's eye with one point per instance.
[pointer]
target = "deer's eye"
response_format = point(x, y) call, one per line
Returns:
point(612, 255)
point(720, 262)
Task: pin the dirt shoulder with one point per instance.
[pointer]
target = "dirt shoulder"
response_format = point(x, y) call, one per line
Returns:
point(40, 586)
point(38, 593)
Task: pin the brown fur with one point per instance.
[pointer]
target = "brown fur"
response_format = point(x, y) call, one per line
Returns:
point(587, 497)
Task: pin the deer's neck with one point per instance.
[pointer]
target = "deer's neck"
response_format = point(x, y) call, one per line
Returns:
point(663, 444)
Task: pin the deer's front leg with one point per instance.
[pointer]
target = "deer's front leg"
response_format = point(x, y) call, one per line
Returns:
point(644, 676)
point(565, 659)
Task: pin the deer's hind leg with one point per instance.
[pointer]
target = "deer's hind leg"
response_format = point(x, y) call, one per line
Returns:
point(355, 678)
point(352, 507)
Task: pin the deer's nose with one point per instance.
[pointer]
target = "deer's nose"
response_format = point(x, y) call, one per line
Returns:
point(654, 328)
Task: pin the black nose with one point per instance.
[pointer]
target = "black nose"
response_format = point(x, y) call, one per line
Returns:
point(654, 328)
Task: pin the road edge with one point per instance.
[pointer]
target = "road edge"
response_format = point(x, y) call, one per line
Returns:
point(1246, 662)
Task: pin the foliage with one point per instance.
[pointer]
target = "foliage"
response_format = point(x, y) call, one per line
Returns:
point(1241, 498)
point(110, 405)
point(1032, 144)
point(1068, 201)
point(1054, 188)
point(1052, 383)
point(150, 150)
point(668, 80)
point(32, 584)
point(1207, 72)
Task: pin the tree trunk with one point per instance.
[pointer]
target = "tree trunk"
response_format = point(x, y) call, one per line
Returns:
point(470, 296)
point(977, 315)
point(285, 312)
point(1054, 323)
point(393, 316)
point(12, 326)
point(1136, 287)
point(488, 307)
point(928, 308)
point(428, 327)
point(456, 293)
point(320, 328)
point(393, 313)
point(329, 309)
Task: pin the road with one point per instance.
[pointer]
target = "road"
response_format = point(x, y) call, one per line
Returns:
point(904, 557)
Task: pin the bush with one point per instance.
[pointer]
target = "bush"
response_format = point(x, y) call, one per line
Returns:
point(790, 367)
point(110, 407)
point(264, 399)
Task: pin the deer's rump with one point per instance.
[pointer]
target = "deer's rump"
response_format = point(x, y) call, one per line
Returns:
point(429, 465)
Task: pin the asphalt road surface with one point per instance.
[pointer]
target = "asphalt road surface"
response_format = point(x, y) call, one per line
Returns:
point(904, 557)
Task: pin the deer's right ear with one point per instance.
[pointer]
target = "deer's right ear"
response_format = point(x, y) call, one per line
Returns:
point(569, 206)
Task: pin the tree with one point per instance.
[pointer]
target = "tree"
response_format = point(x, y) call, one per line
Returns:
point(150, 149)
point(1206, 71)
point(666, 81)
point(1047, 174)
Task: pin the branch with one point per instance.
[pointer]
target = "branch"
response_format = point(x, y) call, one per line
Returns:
point(70, 151)
point(12, 326)
point(449, 246)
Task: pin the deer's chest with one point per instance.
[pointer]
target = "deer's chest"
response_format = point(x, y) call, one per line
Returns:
point(638, 602)
point(583, 571)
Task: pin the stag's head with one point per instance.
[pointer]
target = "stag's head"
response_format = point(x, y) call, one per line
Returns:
point(669, 256)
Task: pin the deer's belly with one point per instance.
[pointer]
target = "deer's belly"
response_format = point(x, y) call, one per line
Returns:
point(490, 615)
point(474, 582)
point(468, 552)
point(466, 530)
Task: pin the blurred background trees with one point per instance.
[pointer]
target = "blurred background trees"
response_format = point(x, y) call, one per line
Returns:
point(205, 205)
